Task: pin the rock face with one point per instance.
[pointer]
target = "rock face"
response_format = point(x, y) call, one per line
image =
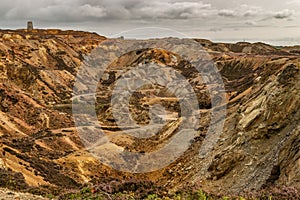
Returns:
point(258, 147)
point(37, 72)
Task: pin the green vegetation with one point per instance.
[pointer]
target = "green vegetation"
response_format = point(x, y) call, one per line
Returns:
point(112, 189)
point(87, 193)
point(90, 194)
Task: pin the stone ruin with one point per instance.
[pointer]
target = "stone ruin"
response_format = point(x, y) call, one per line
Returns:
point(29, 26)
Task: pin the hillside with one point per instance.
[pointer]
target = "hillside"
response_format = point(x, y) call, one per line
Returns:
point(41, 149)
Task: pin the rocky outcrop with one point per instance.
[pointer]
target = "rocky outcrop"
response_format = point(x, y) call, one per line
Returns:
point(258, 147)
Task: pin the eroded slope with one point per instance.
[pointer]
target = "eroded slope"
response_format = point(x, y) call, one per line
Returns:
point(258, 148)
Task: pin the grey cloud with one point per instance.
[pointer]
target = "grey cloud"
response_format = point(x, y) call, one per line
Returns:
point(54, 10)
point(246, 11)
point(251, 23)
point(214, 17)
point(157, 9)
point(89, 10)
point(255, 13)
point(284, 14)
point(80, 10)
point(251, 11)
point(227, 13)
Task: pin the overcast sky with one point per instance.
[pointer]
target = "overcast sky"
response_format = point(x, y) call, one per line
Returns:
point(273, 21)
